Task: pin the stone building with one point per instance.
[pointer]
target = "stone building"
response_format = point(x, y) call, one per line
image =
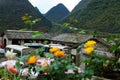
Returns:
point(21, 37)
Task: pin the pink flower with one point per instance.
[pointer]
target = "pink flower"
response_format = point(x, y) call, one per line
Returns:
point(109, 55)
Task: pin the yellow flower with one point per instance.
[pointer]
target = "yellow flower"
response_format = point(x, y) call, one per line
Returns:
point(32, 60)
point(62, 53)
point(24, 18)
point(54, 49)
point(59, 53)
point(90, 43)
point(89, 50)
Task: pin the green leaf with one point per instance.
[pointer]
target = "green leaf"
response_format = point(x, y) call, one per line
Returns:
point(28, 22)
point(82, 32)
point(37, 34)
point(17, 65)
point(35, 21)
point(44, 67)
point(81, 75)
point(114, 48)
point(70, 27)
point(86, 59)
point(24, 57)
point(49, 55)
point(45, 42)
point(75, 29)
point(23, 29)
point(38, 69)
point(41, 50)
point(69, 66)
point(65, 25)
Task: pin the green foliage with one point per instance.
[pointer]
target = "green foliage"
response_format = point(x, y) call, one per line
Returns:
point(70, 27)
point(100, 15)
point(37, 34)
point(57, 13)
point(98, 64)
point(28, 19)
point(49, 55)
point(10, 16)
point(4, 75)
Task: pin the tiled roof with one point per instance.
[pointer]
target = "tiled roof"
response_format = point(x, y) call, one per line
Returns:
point(15, 34)
point(76, 38)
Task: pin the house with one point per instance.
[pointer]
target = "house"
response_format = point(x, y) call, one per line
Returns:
point(20, 37)
point(72, 37)
point(68, 39)
point(79, 39)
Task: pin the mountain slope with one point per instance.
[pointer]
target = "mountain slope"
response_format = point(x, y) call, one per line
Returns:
point(101, 15)
point(57, 13)
point(11, 12)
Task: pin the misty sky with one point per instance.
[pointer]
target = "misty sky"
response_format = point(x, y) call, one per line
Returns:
point(45, 5)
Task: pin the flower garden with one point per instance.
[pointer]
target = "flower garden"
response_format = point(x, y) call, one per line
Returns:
point(58, 65)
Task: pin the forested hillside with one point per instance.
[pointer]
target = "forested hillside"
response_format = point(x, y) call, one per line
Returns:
point(57, 13)
point(11, 12)
point(100, 15)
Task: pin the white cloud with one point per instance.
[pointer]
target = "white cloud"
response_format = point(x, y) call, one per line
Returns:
point(45, 5)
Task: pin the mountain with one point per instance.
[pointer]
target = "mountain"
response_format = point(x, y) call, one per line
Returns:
point(11, 12)
point(99, 15)
point(57, 13)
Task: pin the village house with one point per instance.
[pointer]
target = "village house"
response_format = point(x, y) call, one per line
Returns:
point(66, 39)
point(21, 37)
point(70, 39)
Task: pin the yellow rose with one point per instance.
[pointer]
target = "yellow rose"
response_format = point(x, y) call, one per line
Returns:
point(59, 53)
point(89, 50)
point(90, 43)
point(32, 60)
point(54, 49)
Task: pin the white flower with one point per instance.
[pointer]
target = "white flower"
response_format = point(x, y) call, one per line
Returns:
point(10, 55)
point(24, 72)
